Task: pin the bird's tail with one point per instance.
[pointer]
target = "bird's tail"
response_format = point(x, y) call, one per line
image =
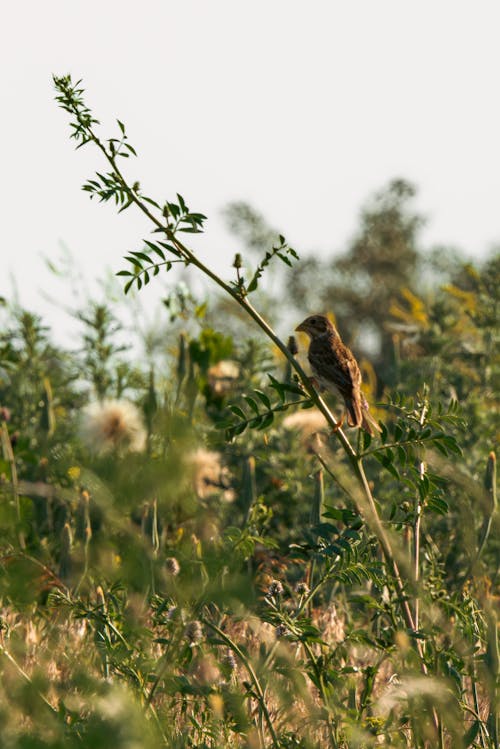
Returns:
point(354, 412)
point(358, 414)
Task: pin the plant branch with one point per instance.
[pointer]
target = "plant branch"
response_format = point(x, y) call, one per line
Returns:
point(253, 676)
point(369, 506)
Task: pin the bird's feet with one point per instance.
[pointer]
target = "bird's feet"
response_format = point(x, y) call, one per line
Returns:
point(339, 424)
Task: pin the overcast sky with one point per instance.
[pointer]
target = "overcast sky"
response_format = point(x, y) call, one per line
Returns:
point(301, 108)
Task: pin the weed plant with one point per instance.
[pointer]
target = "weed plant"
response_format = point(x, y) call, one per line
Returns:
point(194, 554)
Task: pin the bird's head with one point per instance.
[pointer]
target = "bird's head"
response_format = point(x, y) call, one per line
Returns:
point(316, 325)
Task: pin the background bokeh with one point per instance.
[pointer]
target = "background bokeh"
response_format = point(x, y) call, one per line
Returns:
point(301, 111)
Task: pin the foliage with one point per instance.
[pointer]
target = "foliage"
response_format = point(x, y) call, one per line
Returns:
point(184, 564)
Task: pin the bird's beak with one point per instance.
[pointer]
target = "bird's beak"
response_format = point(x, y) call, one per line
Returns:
point(300, 328)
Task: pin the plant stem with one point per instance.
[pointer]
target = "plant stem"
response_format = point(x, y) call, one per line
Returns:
point(27, 678)
point(321, 688)
point(416, 526)
point(370, 509)
point(9, 456)
point(253, 676)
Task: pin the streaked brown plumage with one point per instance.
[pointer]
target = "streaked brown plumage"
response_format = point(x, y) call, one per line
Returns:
point(335, 369)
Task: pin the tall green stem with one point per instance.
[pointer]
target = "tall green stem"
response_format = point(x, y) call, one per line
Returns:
point(259, 692)
point(369, 509)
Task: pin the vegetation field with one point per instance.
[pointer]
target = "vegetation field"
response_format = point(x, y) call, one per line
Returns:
point(194, 551)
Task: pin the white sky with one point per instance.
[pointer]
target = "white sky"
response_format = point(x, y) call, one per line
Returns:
point(301, 108)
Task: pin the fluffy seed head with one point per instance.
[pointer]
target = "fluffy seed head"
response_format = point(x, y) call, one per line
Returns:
point(193, 632)
point(209, 476)
point(113, 425)
point(222, 376)
point(172, 566)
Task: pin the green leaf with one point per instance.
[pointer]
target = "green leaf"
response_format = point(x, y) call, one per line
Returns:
point(267, 420)
point(398, 433)
point(263, 398)
point(182, 204)
point(141, 256)
point(253, 405)
point(401, 455)
point(367, 439)
point(386, 461)
point(150, 201)
point(237, 411)
point(383, 434)
point(437, 505)
point(170, 248)
point(126, 205)
point(129, 148)
point(439, 446)
point(155, 249)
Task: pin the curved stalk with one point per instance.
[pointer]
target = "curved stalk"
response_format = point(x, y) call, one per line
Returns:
point(253, 676)
point(369, 510)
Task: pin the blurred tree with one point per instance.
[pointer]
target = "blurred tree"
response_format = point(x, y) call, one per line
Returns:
point(109, 373)
point(360, 284)
point(250, 226)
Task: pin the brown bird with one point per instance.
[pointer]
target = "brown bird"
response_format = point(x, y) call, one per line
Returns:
point(336, 370)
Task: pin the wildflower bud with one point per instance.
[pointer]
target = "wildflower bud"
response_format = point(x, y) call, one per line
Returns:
point(230, 660)
point(302, 589)
point(193, 632)
point(171, 612)
point(282, 630)
point(275, 589)
point(237, 261)
point(83, 530)
point(292, 346)
point(100, 599)
point(4, 413)
point(172, 566)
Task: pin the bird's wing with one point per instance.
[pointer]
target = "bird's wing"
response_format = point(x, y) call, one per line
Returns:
point(337, 367)
point(354, 371)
